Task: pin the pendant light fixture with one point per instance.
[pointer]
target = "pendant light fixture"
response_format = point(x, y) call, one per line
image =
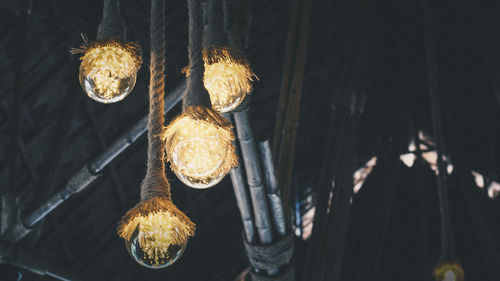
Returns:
point(448, 271)
point(228, 77)
point(199, 141)
point(155, 230)
point(109, 65)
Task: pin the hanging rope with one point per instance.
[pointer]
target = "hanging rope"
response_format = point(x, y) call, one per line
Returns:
point(109, 65)
point(155, 183)
point(155, 189)
point(210, 153)
point(227, 75)
point(448, 264)
point(195, 94)
point(111, 33)
point(447, 238)
point(214, 32)
point(112, 25)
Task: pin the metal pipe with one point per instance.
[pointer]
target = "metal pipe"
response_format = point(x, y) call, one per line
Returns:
point(34, 262)
point(79, 181)
point(242, 200)
point(88, 173)
point(254, 176)
point(273, 191)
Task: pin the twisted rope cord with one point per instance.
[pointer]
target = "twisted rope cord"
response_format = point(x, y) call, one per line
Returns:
point(155, 183)
point(195, 93)
point(112, 25)
point(215, 35)
point(231, 29)
point(447, 236)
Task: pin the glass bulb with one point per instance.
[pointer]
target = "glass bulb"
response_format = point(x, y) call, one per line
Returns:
point(197, 160)
point(228, 78)
point(449, 276)
point(228, 83)
point(155, 242)
point(200, 152)
point(448, 271)
point(108, 73)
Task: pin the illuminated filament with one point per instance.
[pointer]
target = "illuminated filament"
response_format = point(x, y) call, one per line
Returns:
point(108, 73)
point(227, 82)
point(156, 235)
point(200, 152)
point(158, 240)
point(227, 79)
point(450, 271)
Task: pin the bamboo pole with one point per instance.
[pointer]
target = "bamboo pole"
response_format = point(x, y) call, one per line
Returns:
point(87, 174)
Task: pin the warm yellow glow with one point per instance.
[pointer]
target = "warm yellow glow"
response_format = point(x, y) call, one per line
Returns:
point(158, 239)
point(227, 79)
point(449, 272)
point(108, 71)
point(227, 82)
point(200, 152)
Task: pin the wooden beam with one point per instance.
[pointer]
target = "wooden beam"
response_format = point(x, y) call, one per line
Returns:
point(289, 103)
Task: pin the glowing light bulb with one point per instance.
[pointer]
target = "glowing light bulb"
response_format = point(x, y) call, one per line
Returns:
point(108, 70)
point(200, 152)
point(228, 78)
point(156, 240)
point(448, 271)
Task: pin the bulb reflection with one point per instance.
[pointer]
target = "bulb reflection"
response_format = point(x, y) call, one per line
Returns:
point(157, 240)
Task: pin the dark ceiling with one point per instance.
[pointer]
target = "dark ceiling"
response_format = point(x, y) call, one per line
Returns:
point(371, 47)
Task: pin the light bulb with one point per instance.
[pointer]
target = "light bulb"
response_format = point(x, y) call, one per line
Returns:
point(448, 271)
point(108, 70)
point(228, 82)
point(200, 153)
point(156, 240)
point(228, 78)
point(151, 243)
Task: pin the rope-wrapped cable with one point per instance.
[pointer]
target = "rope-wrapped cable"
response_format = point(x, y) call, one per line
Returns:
point(155, 188)
point(195, 93)
point(214, 34)
point(447, 237)
point(155, 183)
point(271, 256)
point(112, 25)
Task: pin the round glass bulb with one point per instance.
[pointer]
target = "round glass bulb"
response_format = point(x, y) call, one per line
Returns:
point(228, 78)
point(108, 73)
point(228, 83)
point(448, 271)
point(153, 243)
point(199, 152)
point(449, 276)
